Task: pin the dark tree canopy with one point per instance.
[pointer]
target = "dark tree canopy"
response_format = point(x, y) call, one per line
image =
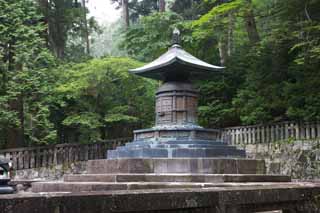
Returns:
point(54, 91)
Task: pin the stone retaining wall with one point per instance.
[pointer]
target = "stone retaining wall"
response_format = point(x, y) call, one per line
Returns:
point(298, 159)
point(50, 173)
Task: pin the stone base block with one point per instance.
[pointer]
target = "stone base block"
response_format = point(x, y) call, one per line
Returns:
point(169, 148)
point(192, 178)
point(177, 165)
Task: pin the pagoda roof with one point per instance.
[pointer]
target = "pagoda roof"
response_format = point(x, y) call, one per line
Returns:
point(176, 65)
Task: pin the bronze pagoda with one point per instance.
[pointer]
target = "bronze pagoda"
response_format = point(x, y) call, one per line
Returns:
point(176, 133)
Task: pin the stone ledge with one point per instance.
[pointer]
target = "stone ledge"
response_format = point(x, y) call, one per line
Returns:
point(108, 186)
point(213, 200)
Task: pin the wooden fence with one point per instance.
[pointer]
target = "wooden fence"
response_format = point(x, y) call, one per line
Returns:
point(46, 156)
point(271, 133)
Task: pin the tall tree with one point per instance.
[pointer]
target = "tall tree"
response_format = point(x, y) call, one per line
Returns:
point(125, 13)
point(137, 8)
point(22, 52)
point(66, 20)
point(250, 23)
point(86, 30)
point(162, 5)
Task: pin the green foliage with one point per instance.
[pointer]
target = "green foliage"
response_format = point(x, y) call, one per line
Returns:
point(150, 37)
point(100, 95)
point(273, 76)
point(279, 77)
point(258, 79)
point(212, 17)
point(24, 81)
point(86, 120)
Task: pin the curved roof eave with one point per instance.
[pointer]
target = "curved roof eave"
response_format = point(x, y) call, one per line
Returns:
point(149, 67)
point(176, 54)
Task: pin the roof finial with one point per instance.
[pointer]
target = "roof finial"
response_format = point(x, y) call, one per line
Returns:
point(176, 36)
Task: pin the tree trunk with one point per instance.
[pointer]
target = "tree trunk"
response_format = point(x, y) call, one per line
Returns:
point(56, 28)
point(162, 5)
point(16, 134)
point(250, 23)
point(86, 26)
point(230, 33)
point(125, 10)
point(44, 8)
point(223, 51)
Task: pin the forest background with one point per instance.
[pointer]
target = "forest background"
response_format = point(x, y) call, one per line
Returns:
point(64, 78)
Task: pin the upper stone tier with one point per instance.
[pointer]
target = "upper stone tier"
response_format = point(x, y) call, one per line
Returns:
point(176, 65)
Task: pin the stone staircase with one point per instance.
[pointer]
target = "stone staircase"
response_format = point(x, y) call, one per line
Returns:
point(161, 173)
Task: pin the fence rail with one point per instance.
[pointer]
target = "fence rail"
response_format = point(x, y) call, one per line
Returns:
point(45, 156)
point(271, 132)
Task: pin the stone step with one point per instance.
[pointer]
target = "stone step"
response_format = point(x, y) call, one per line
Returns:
point(130, 152)
point(177, 165)
point(38, 187)
point(204, 178)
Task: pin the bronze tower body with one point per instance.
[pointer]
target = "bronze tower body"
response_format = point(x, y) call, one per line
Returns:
point(176, 133)
point(176, 104)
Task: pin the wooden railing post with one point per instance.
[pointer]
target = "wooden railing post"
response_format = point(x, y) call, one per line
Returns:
point(272, 132)
point(313, 130)
point(318, 129)
point(307, 131)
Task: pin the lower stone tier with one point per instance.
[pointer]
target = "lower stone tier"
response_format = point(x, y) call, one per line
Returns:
point(192, 178)
point(291, 198)
point(177, 165)
point(105, 186)
point(170, 148)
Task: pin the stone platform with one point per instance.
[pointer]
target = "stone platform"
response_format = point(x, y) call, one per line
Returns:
point(177, 165)
point(161, 173)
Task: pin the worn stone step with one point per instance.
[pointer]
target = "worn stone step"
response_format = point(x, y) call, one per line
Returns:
point(198, 178)
point(99, 186)
point(177, 165)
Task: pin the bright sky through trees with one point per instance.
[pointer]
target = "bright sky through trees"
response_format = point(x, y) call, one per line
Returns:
point(103, 11)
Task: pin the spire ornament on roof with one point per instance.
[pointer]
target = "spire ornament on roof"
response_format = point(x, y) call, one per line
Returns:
point(176, 36)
